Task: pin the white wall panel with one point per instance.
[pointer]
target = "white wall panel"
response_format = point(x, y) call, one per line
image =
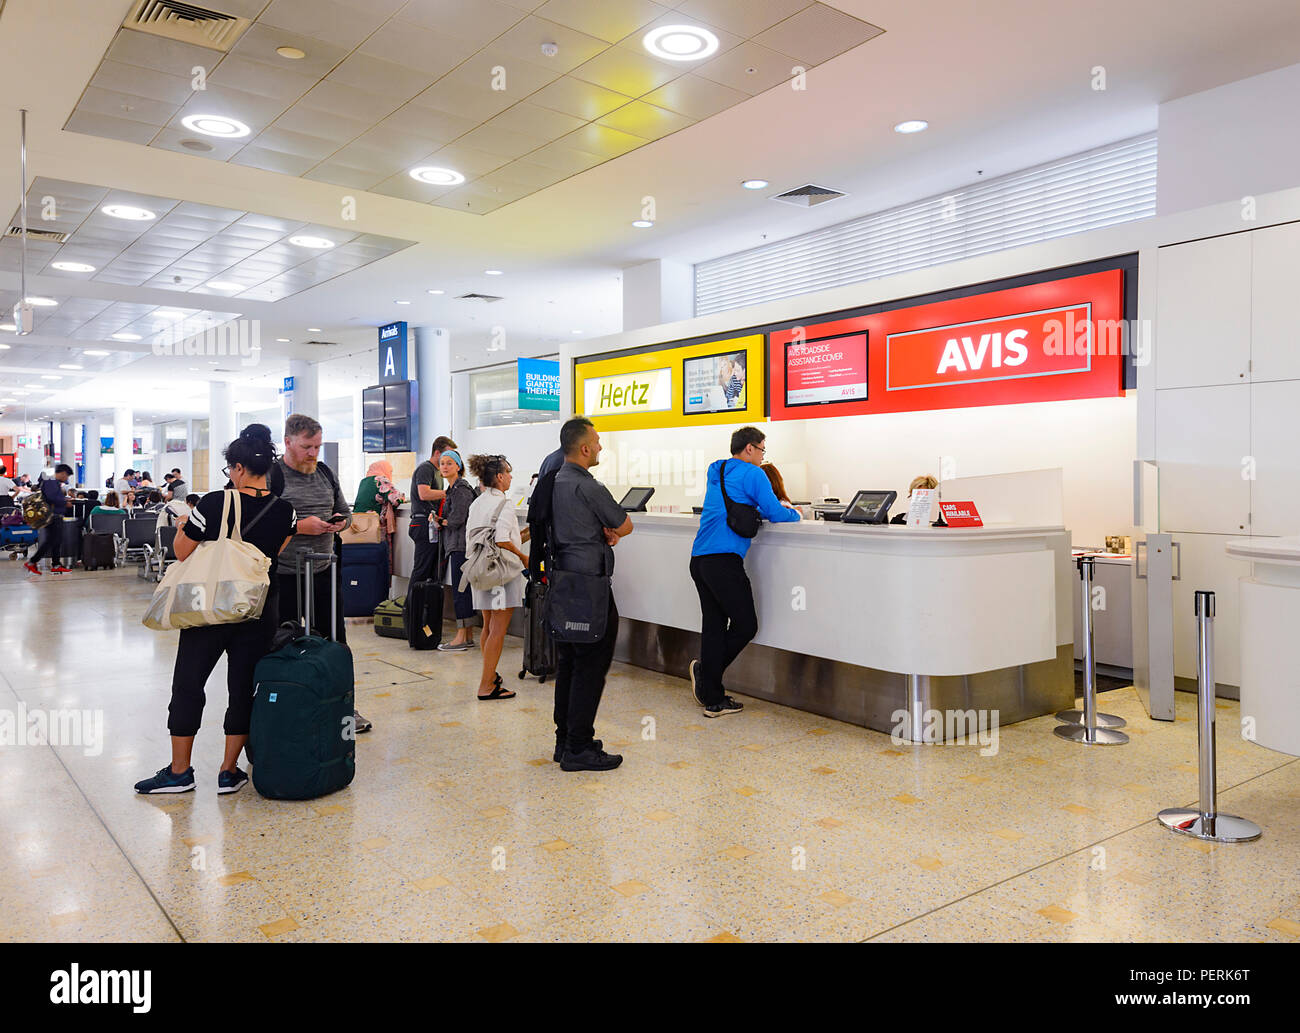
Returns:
point(1202, 438)
point(1202, 329)
point(1275, 285)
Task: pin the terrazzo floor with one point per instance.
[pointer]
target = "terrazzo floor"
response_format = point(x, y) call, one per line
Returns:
point(771, 825)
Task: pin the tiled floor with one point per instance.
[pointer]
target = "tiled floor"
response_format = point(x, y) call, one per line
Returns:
point(771, 825)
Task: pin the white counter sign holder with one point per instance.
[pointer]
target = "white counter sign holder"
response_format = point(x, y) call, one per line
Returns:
point(1087, 726)
point(1204, 821)
point(918, 507)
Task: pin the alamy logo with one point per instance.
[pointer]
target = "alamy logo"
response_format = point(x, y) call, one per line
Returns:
point(95, 986)
point(577, 626)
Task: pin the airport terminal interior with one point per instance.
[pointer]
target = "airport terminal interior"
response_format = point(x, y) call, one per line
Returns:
point(996, 644)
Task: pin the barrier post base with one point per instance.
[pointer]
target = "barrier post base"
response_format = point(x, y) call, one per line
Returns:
point(1217, 828)
point(1090, 737)
point(1076, 717)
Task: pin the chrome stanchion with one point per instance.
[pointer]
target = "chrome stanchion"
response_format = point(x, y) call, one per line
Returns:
point(1087, 725)
point(1205, 822)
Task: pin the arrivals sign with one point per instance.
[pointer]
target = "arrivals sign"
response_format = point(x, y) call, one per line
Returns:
point(539, 384)
point(392, 353)
point(1040, 342)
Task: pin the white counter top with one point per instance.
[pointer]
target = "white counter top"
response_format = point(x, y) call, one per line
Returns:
point(1265, 550)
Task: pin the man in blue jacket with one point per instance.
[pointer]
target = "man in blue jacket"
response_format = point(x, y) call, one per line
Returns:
point(718, 567)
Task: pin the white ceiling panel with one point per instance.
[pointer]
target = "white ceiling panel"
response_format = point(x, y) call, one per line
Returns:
point(582, 100)
point(743, 17)
point(112, 128)
point(261, 41)
point(162, 55)
point(176, 139)
point(609, 20)
point(417, 47)
point(816, 34)
point(299, 145)
point(523, 42)
point(326, 125)
point(126, 105)
point(328, 20)
point(282, 81)
point(350, 102)
point(749, 68)
point(477, 21)
point(695, 97)
point(386, 78)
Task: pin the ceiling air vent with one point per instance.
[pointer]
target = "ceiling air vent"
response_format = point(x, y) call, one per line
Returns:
point(49, 236)
point(808, 196)
point(188, 23)
point(478, 297)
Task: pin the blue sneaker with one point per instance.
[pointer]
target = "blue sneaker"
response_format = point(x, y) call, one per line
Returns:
point(231, 781)
point(167, 781)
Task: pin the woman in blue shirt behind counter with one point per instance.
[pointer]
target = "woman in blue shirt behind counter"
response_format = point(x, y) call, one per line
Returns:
point(728, 620)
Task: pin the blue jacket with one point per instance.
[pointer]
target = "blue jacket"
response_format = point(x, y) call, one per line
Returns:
point(747, 484)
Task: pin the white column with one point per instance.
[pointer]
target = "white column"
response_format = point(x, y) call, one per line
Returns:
point(94, 469)
point(221, 429)
point(357, 440)
point(306, 388)
point(568, 404)
point(433, 375)
point(68, 444)
point(657, 292)
point(123, 430)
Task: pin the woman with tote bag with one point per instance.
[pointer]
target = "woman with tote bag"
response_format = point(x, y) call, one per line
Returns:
point(253, 515)
point(452, 512)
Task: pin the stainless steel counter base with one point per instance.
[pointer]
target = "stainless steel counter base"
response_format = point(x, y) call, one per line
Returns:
point(858, 695)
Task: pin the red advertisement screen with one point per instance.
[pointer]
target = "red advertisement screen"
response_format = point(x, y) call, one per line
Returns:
point(830, 369)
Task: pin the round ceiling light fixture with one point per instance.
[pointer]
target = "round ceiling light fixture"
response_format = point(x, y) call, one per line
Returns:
point(196, 145)
point(124, 337)
point(306, 240)
point(436, 176)
point(754, 184)
point(72, 267)
point(292, 53)
point(912, 125)
point(643, 224)
point(681, 42)
point(128, 211)
point(216, 125)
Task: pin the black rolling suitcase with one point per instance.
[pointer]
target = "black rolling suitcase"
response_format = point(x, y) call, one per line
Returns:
point(70, 542)
point(539, 647)
point(98, 551)
point(423, 614)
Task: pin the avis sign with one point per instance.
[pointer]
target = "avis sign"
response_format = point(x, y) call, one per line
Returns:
point(1045, 343)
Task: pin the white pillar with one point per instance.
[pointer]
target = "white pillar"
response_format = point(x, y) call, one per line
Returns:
point(433, 375)
point(123, 431)
point(68, 445)
point(357, 441)
point(94, 469)
point(568, 404)
point(221, 429)
point(657, 292)
point(306, 388)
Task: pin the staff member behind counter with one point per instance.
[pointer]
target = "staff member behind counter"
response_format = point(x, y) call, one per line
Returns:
point(926, 480)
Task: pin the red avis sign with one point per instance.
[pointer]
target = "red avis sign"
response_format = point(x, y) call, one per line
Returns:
point(1042, 342)
point(1035, 344)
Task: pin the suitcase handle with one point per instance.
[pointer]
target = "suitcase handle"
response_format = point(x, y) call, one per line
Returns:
point(305, 589)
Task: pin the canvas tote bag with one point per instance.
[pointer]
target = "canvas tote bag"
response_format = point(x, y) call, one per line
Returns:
point(221, 582)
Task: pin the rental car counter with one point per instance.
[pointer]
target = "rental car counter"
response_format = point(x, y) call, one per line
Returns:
point(870, 624)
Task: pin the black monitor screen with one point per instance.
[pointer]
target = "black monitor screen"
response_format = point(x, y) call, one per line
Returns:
point(397, 401)
point(714, 383)
point(372, 436)
point(372, 403)
point(869, 507)
point(636, 498)
point(397, 436)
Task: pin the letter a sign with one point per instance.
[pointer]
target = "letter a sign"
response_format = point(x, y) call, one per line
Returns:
point(392, 353)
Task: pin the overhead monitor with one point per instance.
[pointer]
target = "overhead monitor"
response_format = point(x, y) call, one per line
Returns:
point(826, 370)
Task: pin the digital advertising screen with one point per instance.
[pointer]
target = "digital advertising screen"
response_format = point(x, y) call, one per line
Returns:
point(372, 436)
point(826, 370)
point(714, 383)
point(396, 401)
point(372, 403)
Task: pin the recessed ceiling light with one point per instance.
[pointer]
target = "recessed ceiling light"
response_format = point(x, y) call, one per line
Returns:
point(97, 354)
point(314, 330)
point(42, 302)
point(126, 337)
point(196, 145)
point(436, 176)
point(36, 387)
point(401, 302)
point(68, 365)
point(72, 267)
point(50, 376)
point(292, 53)
point(225, 285)
point(216, 125)
point(435, 292)
point(494, 272)
point(169, 313)
point(282, 340)
point(128, 211)
point(9, 328)
point(304, 240)
point(681, 42)
point(643, 224)
point(914, 125)
point(754, 184)
point(575, 331)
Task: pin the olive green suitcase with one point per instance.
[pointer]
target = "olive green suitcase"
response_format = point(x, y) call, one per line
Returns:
point(388, 618)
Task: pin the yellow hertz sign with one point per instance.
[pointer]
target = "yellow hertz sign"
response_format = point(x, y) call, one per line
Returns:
point(715, 382)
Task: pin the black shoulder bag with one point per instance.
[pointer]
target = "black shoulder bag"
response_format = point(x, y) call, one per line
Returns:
point(741, 518)
point(577, 605)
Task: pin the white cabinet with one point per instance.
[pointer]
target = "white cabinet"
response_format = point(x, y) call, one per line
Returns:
point(1275, 290)
point(1206, 567)
point(1203, 325)
point(1275, 491)
point(1202, 440)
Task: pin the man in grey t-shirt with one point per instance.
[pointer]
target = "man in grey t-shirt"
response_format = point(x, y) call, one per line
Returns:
point(313, 490)
point(587, 523)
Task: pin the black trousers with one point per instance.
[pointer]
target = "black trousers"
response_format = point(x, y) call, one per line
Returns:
point(320, 600)
point(424, 566)
point(197, 654)
point(728, 621)
point(580, 682)
point(48, 539)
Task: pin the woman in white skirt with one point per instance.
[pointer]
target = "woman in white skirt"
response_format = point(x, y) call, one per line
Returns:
point(496, 604)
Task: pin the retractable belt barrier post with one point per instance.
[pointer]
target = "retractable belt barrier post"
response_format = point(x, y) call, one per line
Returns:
point(1204, 821)
point(1087, 726)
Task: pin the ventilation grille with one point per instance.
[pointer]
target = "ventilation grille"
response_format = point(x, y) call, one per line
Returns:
point(188, 23)
point(1100, 187)
point(808, 196)
point(51, 236)
point(478, 297)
